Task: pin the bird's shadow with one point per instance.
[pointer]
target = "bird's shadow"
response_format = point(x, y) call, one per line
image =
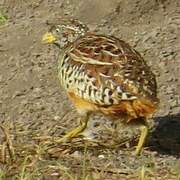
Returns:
point(165, 138)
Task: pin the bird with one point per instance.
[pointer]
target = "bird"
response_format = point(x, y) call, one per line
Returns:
point(102, 73)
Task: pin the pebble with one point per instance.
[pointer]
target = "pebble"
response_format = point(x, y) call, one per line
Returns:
point(55, 174)
point(56, 118)
point(101, 156)
point(169, 90)
point(18, 93)
point(170, 78)
point(76, 154)
point(37, 90)
point(173, 102)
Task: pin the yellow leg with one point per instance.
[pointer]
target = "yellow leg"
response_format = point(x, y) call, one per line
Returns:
point(76, 131)
point(144, 133)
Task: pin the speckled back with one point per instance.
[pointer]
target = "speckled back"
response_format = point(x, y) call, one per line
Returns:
point(105, 70)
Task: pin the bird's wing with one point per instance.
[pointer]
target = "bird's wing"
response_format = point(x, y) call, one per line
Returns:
point(106, 70)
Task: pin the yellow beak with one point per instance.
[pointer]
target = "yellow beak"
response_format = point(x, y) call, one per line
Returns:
point(48, 38)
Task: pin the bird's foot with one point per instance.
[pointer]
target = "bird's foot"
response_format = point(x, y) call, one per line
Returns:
point(72, 134)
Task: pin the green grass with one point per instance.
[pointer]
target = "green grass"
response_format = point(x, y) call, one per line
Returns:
point(30, 162)
point(2, 175)
point(3, 18)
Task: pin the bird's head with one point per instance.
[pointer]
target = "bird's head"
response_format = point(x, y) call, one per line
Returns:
point(64, 33)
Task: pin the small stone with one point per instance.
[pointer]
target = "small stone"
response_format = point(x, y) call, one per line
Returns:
point(18, 93)
point(170, 79)
point(55, 174)
point(76, 154)
point(166, 70)
point(56, 118)
point(37, 90)
point(173, 103)
point(101, 156)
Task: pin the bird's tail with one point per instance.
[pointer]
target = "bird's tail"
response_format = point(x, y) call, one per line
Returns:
point(144, 107)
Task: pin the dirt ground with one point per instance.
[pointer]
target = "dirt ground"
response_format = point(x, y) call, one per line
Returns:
point(34, 109)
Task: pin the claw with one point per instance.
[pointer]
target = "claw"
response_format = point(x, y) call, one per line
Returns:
point(76, 131)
